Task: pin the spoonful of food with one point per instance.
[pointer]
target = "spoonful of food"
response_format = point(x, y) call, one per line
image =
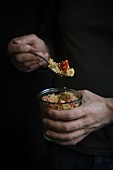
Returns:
point(61, 69)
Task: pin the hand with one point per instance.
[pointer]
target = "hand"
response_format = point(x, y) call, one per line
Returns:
point(19, 51)
point(68, 127)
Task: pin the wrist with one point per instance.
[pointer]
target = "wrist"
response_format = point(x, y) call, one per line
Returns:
point(109, 105)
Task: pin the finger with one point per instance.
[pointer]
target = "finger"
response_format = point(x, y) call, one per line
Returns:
point(28, 71)
point(34, 66)
point(72, 142)
point(20, 66)
point(44, 54)
point(68, 126)
point(67, 115)
point(18, 48)
point(65, 136)
point(54, 125)
point(26, 39)
point(31, 63)
point(60, 126)
point(25, 57)
point(38, 65)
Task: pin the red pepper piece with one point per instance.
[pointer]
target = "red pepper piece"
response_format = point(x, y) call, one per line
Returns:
point(64, 65)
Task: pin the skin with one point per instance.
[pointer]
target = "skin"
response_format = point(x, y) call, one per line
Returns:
point(67, 127)
point(19, 51)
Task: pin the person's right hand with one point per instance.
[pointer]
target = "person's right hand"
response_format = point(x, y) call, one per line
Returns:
point(19, 50)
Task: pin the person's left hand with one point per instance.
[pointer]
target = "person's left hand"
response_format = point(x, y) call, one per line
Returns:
point(68, 127)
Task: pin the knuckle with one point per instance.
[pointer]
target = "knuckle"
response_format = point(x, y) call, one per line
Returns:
point(33, 36)
point(90, 120)
point(66, 127)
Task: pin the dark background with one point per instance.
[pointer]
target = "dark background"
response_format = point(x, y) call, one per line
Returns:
point(21, 140)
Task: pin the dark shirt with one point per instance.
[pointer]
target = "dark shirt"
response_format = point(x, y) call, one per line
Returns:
point(86, 40)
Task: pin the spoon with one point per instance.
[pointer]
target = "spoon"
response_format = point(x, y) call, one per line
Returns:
point(54, 69)
point(36, 54)
point(47, 61)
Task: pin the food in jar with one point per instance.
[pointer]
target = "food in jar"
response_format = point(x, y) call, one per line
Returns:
point(61, 101)
point(61, 68)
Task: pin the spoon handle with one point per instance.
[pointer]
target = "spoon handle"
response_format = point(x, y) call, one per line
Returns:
point(38, 55)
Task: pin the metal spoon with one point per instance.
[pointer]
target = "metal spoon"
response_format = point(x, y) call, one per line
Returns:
point(38, 55)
